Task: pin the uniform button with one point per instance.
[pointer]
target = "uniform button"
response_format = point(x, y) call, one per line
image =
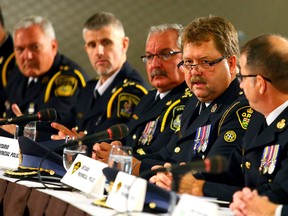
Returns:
point(203, 157)
point(270, 180)
point(134, 137)
point(177, 149)
point(241, 165)
point(247, 165)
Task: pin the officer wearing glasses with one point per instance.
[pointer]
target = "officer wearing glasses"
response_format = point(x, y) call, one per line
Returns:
point(261, 161)
point(214, 122)
point(158, 114)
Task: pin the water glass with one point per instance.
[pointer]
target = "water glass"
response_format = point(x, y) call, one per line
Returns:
point(121, 158)
point(70, 153)
point(30, 130)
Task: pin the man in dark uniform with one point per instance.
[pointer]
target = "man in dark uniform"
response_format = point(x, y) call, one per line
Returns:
point(156, 120)
point(7, 59)
point(111, 98)
point(210, 55)
point(43, 78)
point(261, 161)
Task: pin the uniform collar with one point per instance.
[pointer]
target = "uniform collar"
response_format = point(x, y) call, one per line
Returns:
point(275, 113)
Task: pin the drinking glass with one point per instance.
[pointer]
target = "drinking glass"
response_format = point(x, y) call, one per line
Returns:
point(30, 130)
point(121, 158)
point(70, 153)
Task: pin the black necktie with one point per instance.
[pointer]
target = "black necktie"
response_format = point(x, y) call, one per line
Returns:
point(202, 107)
point(96, 94)
point(157, 98)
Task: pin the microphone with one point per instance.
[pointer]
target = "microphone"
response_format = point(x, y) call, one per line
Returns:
point(48, 114)
point(212, 165)
point(118, 131)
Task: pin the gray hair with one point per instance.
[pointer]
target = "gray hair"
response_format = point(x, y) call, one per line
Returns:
point(167, 27)
point(103, 19)
point(44, 24)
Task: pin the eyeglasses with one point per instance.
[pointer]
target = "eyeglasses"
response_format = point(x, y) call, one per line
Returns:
point(241, 77)
point(162, 55)
point(208, 65)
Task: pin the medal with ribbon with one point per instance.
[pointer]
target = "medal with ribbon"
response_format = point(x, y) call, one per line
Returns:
point(202, 138)
point(148, 133)
point(269, 159)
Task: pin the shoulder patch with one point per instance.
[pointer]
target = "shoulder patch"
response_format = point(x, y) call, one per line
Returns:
point(176, 117)
point(65, 85)
point(126, 104)
point(175, 109)
point(244, 115)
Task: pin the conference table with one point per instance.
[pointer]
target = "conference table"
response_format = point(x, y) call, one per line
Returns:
point(29, 198)
point(26, 198)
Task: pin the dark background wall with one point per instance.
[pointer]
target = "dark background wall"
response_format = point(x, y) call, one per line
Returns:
point(250, 17)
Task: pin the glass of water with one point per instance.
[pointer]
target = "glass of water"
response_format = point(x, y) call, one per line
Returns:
point(121, 158)
point(30, 130)
point(70, 153)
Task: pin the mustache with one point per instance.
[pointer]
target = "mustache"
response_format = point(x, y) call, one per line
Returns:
point(197, 79)
point(158, 73)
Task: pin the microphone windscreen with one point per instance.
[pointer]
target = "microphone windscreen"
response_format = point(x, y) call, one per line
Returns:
point(119, 131)
point(48, 115)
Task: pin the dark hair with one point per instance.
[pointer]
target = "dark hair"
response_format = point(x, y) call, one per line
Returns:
point(221, 31)
point(267, 55)
point(102, 19)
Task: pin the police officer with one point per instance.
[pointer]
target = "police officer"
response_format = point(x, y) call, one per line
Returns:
point(261, 161)
point(111, 98)
point(156, 120)
point(7, 59)
point(43, 77)
point(214, 121)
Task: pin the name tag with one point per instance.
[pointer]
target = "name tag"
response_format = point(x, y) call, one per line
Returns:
point(128, 193)
point(85, 174)
point(192, 205)
point(9, 153)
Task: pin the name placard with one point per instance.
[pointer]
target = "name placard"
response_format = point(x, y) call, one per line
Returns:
point(85, 174)
point(9, 153)
point(192, 205)
point(128, 193)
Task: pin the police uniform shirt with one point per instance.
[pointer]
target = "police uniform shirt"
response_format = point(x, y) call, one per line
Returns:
point(101, 87)
point(114, 106)
point(216, 131)
point(154, 122)
point(58, 89)
point(261, 161)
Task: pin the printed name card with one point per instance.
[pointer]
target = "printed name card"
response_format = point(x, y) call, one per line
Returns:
point(85, 174)
point(128, 193)
point(9, 153)
point(196, 206)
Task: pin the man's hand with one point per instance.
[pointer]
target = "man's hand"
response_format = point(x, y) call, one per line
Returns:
point(190, 185)
point(162, 179)
point(247, 202)
point(11, 128)
point(101, 150)
point(63, 132)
